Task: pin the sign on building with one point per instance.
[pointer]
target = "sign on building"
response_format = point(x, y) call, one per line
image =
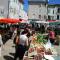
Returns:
point(2, 12)
point(13, 10)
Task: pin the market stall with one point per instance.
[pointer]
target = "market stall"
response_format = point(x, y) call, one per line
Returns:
point(5, 24)
point(40, 49)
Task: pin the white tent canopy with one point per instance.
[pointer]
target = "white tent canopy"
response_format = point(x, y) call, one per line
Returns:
point(41, 22)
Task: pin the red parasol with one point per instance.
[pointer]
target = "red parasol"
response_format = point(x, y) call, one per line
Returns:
point(9, 20)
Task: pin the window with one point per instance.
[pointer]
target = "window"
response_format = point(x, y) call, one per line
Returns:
point(45, 17)
point(53, 11)
point(15, 1)
point(44, 5)
point(58, 17)
point(39, 16)
point(11, 10)
point(58, 10)
point(2, 11)
point(49, 10)
point(49, 18)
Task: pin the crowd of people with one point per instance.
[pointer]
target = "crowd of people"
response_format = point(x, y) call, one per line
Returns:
point(23, 39)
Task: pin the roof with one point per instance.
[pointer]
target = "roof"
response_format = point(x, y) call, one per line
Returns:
point(54, 2)
point(38, 1)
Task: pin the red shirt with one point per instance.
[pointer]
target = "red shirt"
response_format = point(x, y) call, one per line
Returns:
point(52, 35)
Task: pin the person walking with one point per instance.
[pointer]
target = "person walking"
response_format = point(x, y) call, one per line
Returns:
point(51, 35)
point(22, 44)
point(1, 43)
point(14, 34)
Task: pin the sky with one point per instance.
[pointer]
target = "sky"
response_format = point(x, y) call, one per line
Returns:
point(26, 5)
point(53, 1)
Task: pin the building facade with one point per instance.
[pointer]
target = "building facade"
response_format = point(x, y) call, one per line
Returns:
point(13, 9)
point(53, 12)
point(37, 10)
point(8, 8)
point(4, 8)
point(16, 9)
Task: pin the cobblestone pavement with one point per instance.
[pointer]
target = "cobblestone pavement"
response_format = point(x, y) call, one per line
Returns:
point(8, 51)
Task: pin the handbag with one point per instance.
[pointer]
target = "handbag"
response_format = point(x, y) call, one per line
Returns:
point(17, 40)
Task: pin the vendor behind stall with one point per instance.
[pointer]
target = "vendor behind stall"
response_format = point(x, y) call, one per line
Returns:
point(51, 35)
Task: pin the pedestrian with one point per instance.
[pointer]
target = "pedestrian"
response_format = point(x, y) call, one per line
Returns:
point(14, 34)
point(22, 44)
point(51, 35)
point(42, 28)
point(1, 44)
point(28, 35)
point(29, 28)
point(33, 37)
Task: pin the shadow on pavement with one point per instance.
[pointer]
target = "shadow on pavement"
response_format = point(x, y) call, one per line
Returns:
point(13, 46)
point(12, 54)
point(8, 58)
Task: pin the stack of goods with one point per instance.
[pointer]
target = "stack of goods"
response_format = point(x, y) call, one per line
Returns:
point(38, 49)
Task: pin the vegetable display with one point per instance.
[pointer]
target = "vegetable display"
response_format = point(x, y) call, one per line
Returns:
point(41, 39)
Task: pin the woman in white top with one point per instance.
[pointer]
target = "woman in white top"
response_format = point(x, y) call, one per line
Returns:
point(22, 44)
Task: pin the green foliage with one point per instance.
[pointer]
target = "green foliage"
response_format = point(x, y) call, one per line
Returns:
point(40, 39)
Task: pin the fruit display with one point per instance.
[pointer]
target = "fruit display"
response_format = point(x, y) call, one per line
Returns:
point(48, 52)
point(38, 47)
point(31, 50)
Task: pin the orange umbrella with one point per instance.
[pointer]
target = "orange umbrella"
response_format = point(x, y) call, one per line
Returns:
point(23, 21)
point(9, 20)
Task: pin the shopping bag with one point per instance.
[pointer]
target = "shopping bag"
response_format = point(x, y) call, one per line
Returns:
point(48, 45)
